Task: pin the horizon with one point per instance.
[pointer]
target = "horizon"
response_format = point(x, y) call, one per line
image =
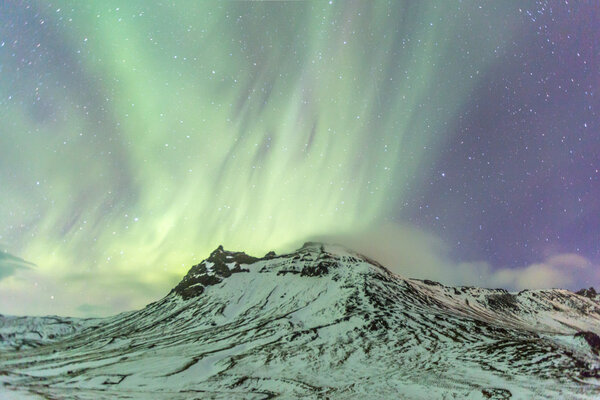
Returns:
point(369, 260)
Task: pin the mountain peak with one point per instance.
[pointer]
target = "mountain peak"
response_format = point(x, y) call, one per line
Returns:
point(312, 259)
point(219, 265)
point(312, 246)
point(218, 250)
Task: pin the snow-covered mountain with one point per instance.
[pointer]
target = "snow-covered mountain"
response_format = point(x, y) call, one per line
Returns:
point(26, 332)
point(321, 322)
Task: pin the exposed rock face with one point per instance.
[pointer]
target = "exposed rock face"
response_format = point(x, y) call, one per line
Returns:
point(220, 264)
point(504, 301)
point(592, 339)
point(321, 322)
point(590, 293)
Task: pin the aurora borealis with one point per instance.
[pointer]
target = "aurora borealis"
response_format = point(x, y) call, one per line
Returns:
point(137, 136)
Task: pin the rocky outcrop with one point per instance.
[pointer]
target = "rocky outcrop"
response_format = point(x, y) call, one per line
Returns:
point(219, 265)
point(592, 340)
point(589, 293)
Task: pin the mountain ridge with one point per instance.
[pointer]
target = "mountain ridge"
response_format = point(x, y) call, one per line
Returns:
point(322, 321)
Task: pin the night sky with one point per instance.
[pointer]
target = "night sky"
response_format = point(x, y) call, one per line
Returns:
point(453, 140)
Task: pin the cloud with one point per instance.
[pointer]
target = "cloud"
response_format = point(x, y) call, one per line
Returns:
point(9, 264)
point(413, 253)
point(565, 270)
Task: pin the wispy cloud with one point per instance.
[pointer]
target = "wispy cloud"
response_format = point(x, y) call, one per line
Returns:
point(10, 264)
point(413, 253)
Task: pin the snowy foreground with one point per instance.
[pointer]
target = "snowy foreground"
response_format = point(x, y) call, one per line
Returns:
point(322, 322)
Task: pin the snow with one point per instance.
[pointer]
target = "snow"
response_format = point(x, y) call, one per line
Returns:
point(209, 265)
point(355, 331)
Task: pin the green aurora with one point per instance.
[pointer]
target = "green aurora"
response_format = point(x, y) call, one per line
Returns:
point(138, 136)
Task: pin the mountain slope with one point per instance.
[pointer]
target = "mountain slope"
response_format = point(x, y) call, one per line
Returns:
point(322, 322)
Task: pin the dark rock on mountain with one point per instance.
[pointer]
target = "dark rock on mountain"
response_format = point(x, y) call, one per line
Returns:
point(590, 293)
point(592, 339)
point(220, 264)
point(270, 255)
point(496, 394)
point(504, 301)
